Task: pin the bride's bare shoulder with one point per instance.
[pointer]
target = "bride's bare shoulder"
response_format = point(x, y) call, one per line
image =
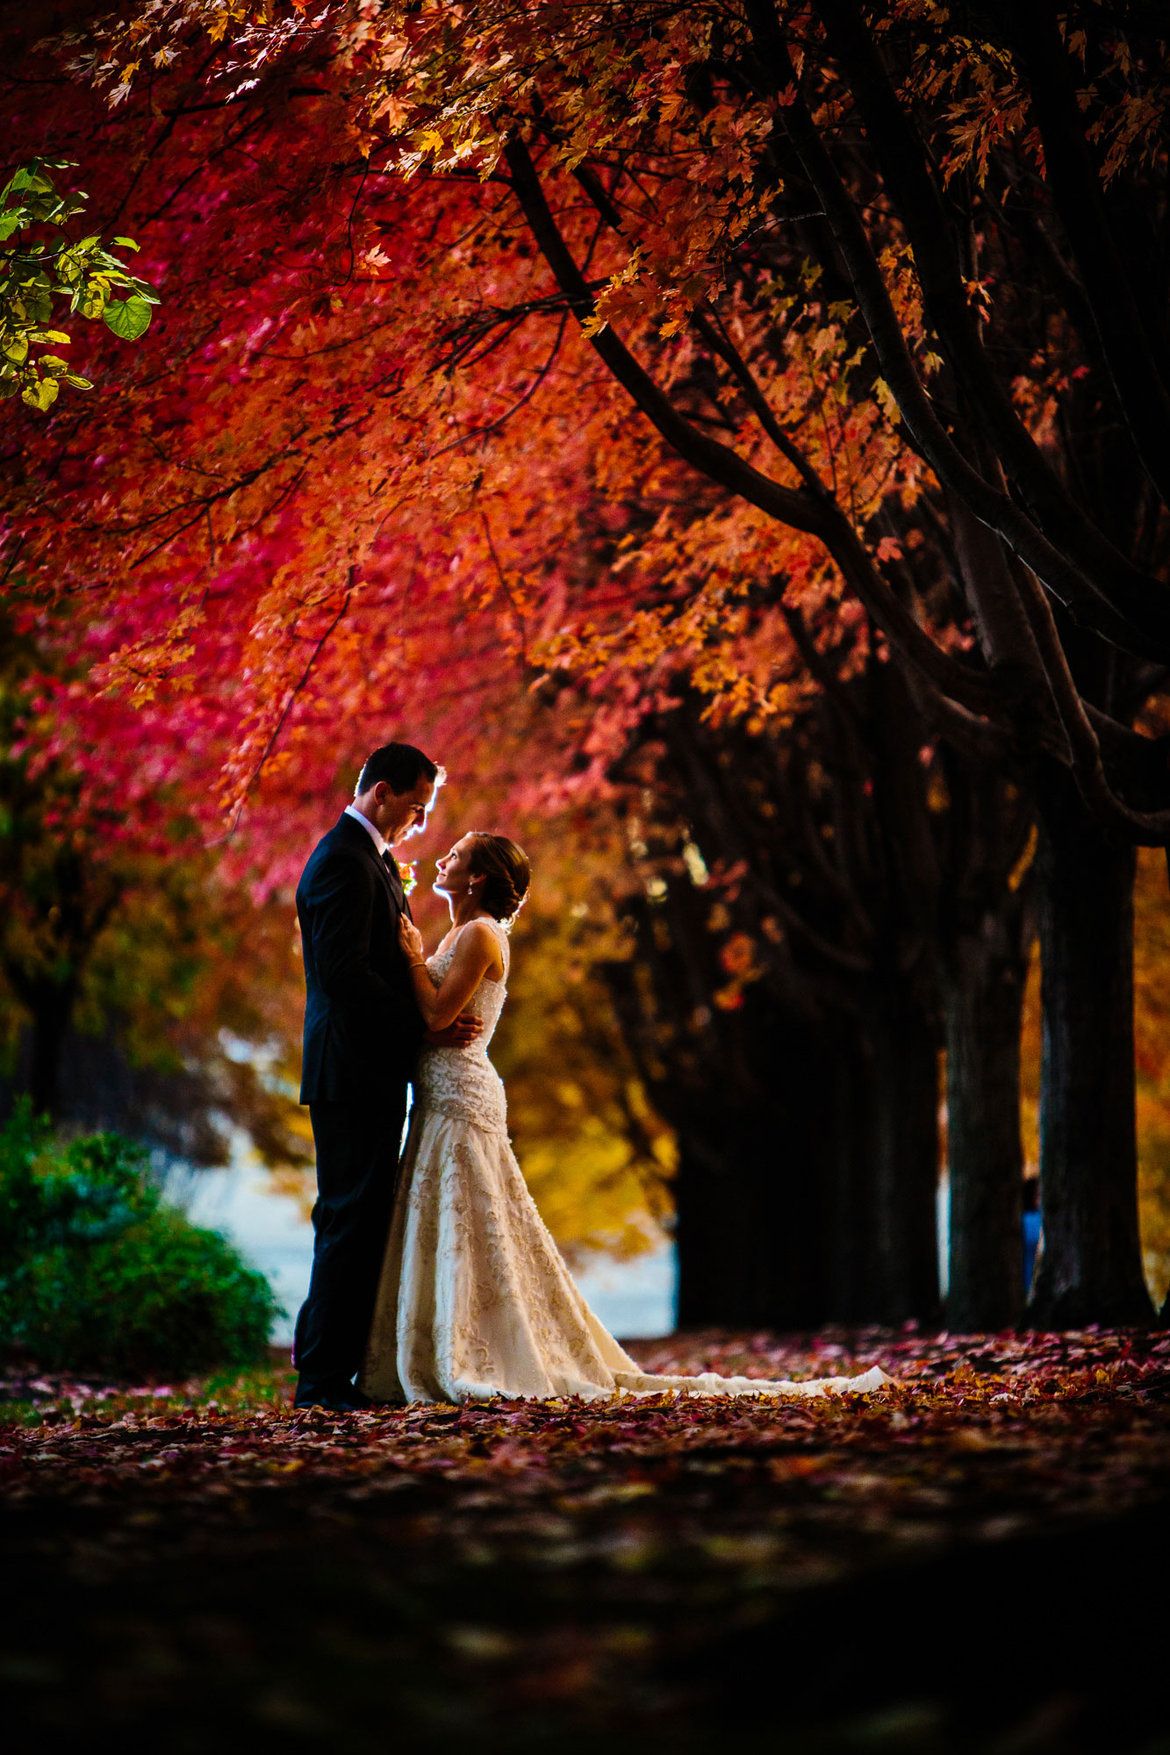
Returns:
point(484, 935)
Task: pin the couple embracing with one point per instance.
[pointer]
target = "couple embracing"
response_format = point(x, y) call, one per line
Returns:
point(434, 1279)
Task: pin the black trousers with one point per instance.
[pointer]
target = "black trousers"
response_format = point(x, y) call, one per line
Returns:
point(357, 1170)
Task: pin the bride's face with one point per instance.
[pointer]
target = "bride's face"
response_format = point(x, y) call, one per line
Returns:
point(453, 874)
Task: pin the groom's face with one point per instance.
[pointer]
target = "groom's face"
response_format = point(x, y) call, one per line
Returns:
point(404, 813)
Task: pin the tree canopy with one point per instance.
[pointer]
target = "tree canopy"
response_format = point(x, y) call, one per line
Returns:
point(833, 254)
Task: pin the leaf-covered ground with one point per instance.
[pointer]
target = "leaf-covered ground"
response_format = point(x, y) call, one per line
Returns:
point(973, 1560)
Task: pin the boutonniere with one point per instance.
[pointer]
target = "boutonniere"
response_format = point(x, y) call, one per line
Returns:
point(408, 875)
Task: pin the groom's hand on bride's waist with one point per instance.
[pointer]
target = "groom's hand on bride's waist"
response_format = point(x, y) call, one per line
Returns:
point(460, 1034)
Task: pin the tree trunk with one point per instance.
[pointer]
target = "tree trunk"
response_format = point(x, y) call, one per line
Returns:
point(749, 1091)
point(750, 1204)
point(1089, 1268)
point(904, 1050)
point(51, 1005)
point(851, 1294)
point(748, 1244)
point(984, 993)
point(826, 1213)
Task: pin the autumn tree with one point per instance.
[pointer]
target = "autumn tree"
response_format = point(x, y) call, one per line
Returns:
point(983, 451)
point(121, 983)
point(822, 905)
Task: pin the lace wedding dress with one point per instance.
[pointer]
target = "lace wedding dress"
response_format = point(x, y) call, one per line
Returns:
point(474, 1299)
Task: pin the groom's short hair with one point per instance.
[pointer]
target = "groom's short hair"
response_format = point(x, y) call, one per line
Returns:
point(401, 766)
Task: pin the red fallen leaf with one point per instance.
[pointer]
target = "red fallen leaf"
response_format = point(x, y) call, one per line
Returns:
point(795, 1468)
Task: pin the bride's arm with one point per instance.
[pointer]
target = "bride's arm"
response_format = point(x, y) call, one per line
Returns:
point(475, 952)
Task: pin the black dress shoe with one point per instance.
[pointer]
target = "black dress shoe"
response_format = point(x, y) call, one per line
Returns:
point(340, 1399)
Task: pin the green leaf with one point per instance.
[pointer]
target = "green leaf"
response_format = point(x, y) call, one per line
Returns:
point(127, 243)
point(50, 208)
point(128, 318)
point(17, 348)
point(77, 382)
point(11, 221)
point(57, 335)
point(42, 394)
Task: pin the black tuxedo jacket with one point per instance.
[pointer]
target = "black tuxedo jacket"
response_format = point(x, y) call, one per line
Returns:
point(362, 1026)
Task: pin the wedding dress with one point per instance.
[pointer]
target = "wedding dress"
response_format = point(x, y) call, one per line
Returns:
point(474, 1299)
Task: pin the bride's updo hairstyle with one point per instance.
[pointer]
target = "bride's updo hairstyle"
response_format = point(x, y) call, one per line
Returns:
point(506, 873)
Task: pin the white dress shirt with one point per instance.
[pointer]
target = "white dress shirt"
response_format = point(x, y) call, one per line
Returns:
point(383, 846)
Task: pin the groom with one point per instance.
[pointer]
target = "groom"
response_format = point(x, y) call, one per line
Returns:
point(362, 1035)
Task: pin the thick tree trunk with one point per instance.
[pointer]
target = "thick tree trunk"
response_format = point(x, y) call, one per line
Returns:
point(1090, 1267)
point(808, 1167)
point(827, 1213)
point(748, 1237)
point(904, 1051)
point(51, 1007)
point(750, 1205)
point(983, 1002)
point(748, 1090)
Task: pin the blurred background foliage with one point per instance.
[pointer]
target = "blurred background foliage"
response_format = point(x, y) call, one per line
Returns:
point(138, 990)
point(96, 1273)
point(596, 1156)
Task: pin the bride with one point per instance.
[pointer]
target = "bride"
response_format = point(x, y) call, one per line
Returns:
point(474, 1299)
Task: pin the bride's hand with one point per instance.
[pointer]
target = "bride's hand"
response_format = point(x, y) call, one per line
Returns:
point(411, 940)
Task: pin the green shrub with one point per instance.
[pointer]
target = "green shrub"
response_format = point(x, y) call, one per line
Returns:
point(97, 1274)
